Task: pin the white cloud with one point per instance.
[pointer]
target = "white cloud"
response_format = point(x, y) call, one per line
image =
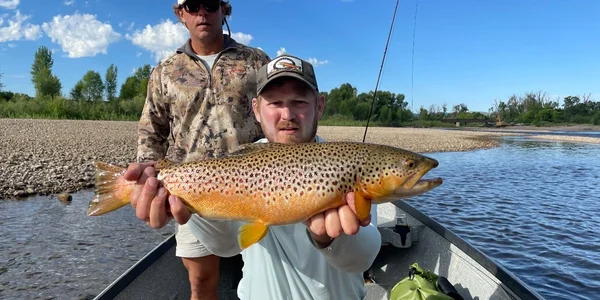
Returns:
point(164, 38)
point(9, 4)
point(69, 2)
point(315, 62)
point(11, 45)
point(18, 29)
point(80, 35)
point(240, 37)
point(161, 39)
point(281, 51)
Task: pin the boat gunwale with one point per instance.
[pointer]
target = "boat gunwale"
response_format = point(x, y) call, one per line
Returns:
point(133, 272)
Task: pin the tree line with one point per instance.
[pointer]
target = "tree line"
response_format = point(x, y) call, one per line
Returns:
point(95, 97)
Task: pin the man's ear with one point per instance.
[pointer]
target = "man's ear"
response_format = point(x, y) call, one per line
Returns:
point(255, 109)
point(320, 105)
point(180, 16)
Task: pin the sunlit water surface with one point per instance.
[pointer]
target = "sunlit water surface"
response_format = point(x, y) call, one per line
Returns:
point(532, 206)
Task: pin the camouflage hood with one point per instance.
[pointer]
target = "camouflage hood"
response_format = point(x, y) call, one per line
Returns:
point(191, 111)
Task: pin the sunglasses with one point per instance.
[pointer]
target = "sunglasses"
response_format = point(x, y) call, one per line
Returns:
point(193, 6)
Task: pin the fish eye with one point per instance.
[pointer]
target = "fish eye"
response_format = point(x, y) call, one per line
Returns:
point(410, 163)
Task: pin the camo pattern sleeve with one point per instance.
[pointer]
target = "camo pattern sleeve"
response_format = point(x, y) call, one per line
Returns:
point(154, 123)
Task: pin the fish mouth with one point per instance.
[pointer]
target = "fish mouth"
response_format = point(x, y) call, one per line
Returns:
point(422, 186)
point(426, 165)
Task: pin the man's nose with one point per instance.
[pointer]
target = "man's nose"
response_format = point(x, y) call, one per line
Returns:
point(287, 113)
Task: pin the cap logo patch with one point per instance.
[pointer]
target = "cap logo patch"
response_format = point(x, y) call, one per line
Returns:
point(285, 63)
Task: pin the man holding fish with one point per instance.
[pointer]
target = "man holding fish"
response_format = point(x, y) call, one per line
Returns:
point(297, 208)
point(323, 257)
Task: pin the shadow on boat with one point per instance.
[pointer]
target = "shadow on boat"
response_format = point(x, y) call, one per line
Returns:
point(408, 236)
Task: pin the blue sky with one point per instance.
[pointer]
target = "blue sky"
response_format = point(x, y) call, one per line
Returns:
point(466, 51)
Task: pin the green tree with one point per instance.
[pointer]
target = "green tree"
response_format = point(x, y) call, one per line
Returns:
point(111, 83)
point(337, 98)
point(44, 82)
point(423, 113)
point(129, 88)
point(93, 88)
point(137, 84)
point(77, 91)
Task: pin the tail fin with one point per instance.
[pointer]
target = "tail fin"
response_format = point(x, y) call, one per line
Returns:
point(112, 190)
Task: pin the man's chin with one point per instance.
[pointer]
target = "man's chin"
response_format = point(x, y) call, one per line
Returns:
point(204, 35)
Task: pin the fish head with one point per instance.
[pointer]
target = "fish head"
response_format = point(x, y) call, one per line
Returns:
point(395, 173)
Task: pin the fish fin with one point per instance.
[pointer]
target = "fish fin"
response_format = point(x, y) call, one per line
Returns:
point(251, 233)
point(362, 204)
point(112, 191)
point(164, 163)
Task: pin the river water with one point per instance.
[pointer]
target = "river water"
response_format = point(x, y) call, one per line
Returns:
point(533, 206)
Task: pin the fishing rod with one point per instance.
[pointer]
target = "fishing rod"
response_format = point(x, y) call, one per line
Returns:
point(381, 69)
point(383, 62)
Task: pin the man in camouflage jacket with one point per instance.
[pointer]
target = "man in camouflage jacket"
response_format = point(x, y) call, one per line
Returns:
point(201, 112)
point(198, 105)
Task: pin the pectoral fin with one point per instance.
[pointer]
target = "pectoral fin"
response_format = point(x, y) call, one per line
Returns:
point(251, 233)
point(362, 205)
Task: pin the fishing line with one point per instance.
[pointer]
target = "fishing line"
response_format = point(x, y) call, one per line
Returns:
point(412, 71)
point(381, 69)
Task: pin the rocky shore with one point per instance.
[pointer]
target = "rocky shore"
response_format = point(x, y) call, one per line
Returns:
point(43, 157)
point(55, 156)
point(567, 138)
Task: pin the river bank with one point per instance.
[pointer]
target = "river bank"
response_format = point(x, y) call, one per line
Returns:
point(42, 157)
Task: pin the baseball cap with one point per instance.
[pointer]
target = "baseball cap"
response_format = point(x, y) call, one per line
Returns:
point(286, 66)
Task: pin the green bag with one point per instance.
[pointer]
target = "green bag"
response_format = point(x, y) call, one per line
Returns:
point(418, 285)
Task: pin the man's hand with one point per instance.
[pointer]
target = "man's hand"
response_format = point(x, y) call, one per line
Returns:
point(150, 200)
point(324, 227)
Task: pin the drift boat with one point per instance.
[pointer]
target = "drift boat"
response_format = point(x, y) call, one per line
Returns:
point(408, 236)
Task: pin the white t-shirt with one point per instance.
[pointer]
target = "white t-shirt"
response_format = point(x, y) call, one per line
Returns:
point(285, 264)
point(209, 59)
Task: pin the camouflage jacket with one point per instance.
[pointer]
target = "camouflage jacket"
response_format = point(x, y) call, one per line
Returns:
point(194, 112)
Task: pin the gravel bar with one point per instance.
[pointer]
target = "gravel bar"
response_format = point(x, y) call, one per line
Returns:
point(44, 157)
point(567, 138)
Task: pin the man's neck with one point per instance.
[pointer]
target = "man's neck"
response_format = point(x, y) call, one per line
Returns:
point(214, 47)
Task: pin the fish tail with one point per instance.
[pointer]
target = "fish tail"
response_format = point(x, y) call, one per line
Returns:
point(112, 190)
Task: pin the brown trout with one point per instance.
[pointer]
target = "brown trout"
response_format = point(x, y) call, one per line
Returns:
point(268, 184)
